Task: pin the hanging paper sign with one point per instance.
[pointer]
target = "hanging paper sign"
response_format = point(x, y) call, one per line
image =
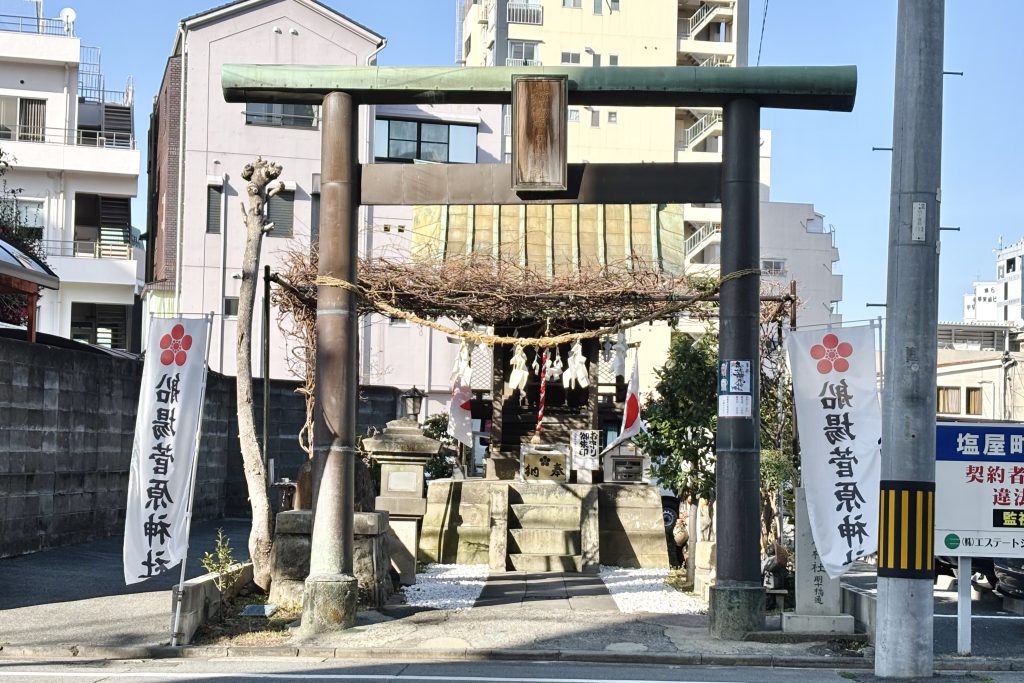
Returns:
point(840, 424)
point(166, 428)
point(735, 392)
point(585, 446)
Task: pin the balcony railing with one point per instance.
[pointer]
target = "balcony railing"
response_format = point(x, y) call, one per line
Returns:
point(87, 249)
point(66, 136)
point(46, 27)
point(522, 62)
point(525, 13)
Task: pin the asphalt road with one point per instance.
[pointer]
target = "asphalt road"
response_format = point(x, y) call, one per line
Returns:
point(278, 669)
point(76, 594)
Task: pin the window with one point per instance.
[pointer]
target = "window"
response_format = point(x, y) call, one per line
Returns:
point(575, 4)
point(26, 214)
point(294, 115)
point(773, 266)
point(398, 140)
point(466, 46)
point(522, 53)
point(974, 400)
point(1011, 265)
point(595, 118)
point(570, 58)
point(613, 60)
point(613, 5)
point(507, 157)
point(597, 59)
point(214, 197)
point(598, 6)
point(948, 400)
point(397, 322)
point(574, 116)
point(281, 212)
point(613, 117)
point(231, 307)
point(22, 119)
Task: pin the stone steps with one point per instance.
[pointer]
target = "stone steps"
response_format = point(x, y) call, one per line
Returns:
point(546, 516)
point(538, 562)
point(548, 541)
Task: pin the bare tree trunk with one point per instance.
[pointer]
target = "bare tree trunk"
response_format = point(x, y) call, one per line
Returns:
point(260, 176)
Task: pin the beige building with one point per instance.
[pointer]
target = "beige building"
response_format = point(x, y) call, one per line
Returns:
point(796, 242)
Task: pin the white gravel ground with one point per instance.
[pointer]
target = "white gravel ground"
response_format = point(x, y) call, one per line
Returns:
point(457, 586)
point(645, 590)
point(447, 586)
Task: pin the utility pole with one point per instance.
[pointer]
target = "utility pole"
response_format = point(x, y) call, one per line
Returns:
point(904, 631)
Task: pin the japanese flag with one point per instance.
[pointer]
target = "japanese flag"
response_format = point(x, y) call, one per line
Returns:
point(460, 419)
point(632, 423)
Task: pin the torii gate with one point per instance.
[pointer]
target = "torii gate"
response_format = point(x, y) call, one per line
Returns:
point(737, 600)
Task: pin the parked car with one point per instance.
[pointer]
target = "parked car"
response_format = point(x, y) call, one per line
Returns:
point(980, 566)
point(1010, 573)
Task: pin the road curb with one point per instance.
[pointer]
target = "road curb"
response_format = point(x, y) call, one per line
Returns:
point(92, 652)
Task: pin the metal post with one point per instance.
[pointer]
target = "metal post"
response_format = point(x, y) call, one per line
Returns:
point(904, 628)
point(266, 371)
point(963, 605)
point(737, 599)
point(329, 602)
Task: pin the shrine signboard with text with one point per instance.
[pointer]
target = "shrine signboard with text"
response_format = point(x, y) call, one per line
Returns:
point(544, 463)
point(979, 489)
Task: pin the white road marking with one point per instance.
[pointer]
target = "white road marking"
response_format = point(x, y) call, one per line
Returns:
point(78, 673)
point(981, 616)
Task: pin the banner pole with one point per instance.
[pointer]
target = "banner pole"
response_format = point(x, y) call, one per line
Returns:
point(192, 484)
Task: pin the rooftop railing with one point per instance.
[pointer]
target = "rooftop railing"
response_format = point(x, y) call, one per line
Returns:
point(66, 136)
point(47, 27)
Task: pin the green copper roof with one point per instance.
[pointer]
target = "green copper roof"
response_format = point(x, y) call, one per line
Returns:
point(787, 87)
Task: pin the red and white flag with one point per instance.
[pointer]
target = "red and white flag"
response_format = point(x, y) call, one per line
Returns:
point(632, 423)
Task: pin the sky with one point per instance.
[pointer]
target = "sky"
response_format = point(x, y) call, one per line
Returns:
point(824, 158)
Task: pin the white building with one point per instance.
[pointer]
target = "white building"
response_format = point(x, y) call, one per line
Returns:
point(196, 270)
point(76, 163)
point(199, 144)
point(999, 300)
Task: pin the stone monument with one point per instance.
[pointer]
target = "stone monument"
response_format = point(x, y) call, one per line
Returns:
point(818, 599)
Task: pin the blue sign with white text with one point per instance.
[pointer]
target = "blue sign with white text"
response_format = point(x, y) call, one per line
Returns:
point(973, 442)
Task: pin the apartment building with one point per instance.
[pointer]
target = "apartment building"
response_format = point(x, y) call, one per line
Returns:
point(73, 149)
point(199, 144)
point(999, 300)
point(796, 242)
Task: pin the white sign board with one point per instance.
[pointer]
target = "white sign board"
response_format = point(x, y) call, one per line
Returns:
point(166, 428)
point(840, 424)
point(586, 446)
point(979, 490)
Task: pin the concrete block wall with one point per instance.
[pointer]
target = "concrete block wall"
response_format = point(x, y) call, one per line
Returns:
point(67, 423)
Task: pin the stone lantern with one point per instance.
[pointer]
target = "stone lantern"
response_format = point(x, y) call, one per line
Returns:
point(403, 452)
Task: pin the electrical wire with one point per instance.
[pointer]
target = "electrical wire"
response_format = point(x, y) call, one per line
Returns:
point(760, 41)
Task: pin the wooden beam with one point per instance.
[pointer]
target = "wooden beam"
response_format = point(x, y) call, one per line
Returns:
point(446, 184)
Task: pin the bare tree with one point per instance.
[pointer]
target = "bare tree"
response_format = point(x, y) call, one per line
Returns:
point(260, 176)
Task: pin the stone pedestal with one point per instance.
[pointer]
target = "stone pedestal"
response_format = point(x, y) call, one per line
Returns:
point(370, 562)
point(402, 452)
point(329, 603)
point(735, 611)
point(818, 598)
